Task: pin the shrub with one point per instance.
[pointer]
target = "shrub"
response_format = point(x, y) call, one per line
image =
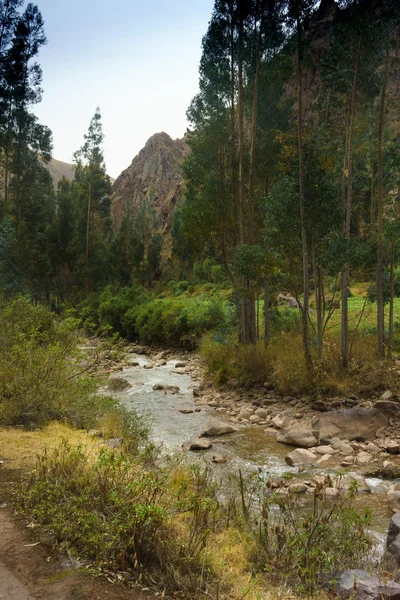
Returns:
point(119, 516)
point(39, 363)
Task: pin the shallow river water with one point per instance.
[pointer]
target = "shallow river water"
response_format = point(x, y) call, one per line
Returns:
point(248, 450)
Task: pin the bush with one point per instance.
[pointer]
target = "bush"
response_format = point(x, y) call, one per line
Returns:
point(121, 517)
point(305, 544)
point(39, 362)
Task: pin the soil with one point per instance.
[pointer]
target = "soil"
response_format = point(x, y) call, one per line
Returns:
point(30, 570)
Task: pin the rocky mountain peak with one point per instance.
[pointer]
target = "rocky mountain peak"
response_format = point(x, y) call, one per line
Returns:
point(157, 171)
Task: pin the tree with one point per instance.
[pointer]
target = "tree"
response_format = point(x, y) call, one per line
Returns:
point(93, 187)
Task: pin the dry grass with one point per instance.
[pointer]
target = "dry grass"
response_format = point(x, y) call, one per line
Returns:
point(282, 363)
point(19, 449)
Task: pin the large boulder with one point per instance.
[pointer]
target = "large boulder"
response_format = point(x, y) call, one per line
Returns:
point(360, 585)
point(347, 481)
point(300, 456)
point(356, 423)
point(218, 428)
point(117, 384)
point(393, 497)
point(296, 435)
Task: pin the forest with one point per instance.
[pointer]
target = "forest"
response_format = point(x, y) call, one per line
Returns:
point(273, 279)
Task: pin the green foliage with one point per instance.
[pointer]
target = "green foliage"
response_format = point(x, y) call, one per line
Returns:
point(305, 544)
point(121, 517)
point(39, 362)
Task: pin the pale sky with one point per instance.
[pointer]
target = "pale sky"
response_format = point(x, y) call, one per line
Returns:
point(137, 60)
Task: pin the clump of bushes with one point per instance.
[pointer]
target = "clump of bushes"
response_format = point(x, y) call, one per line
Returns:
point(177, 320)
point(39, 366)
point(282, 364)
point(116, 514)
point(164, 525)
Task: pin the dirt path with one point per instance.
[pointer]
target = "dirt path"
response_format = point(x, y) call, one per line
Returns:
point(30, 571)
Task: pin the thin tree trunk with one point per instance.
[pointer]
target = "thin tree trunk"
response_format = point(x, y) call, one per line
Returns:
point(88, 236)
point(267, 332)
point(254, 132)
point(304, 242)
point(380, 309)
point(391, 302)
point(318, 302)
point(241, 133)
point(372, 207)
point(348, 175)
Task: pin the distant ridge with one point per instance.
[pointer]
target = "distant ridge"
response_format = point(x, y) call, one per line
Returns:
point(59, 169)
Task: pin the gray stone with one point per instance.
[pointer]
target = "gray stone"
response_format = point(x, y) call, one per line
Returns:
point(297, 488)
point(300, 456)
point(148, 366)
point(255, 419)
point(341, 446)
point(296, 435)
point(197, 445)
point(219, 459)
point(118, 384)
point(160, 363)
point(360, 585)
point(325, 450)
point(279, 422)
point(261, 412)
point(392, 447)
point(386, 395)
point(363, 458)
point(218, 428)
point(180, 364)
point(345, 482)
point(186, 411)
point(356, 423)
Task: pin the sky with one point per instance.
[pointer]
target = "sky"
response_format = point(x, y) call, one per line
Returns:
point(135, 59)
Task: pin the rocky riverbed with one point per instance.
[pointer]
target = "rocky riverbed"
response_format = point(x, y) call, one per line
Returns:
point(295, 442)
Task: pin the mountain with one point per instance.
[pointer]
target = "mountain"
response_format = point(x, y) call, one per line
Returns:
point(157, 172)
point(59, 169)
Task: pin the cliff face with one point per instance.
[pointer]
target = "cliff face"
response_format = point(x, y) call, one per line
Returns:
point(157, 172)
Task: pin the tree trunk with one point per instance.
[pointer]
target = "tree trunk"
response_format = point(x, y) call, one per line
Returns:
point(380, 309)
point(304, 242)
point(318, 302)
point(88, 236)
point(348, 175)
point(391, 302)
point(267, 332)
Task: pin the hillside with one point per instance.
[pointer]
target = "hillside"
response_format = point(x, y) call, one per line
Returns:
point(155, 171)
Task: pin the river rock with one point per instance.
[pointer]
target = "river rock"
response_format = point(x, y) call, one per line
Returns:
point(320, 405)
point(386, 395)
point(179, 371)
point(245, 413)
point(324, 460)
point(218, 428)
point(186, 411)
point(296, 435)
point(300, 456)
point(360, 585)
point(393, 497)
point(197, 445)
point(219, 459)
point(180, 364)
point(133, 362)
point(392, 447)
point(342, 446)
point(324, 450)
point(160, 363)
point(161, 355)
point(118, 384)
point(345, 482)
point(330, 492)
point(298, 488)
point(148, 366)
point(255, 419)
point(279, 422)
point(261, 412)
point(356, 423)
point(388, 408)
point(363, 458)
point(270, 431)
